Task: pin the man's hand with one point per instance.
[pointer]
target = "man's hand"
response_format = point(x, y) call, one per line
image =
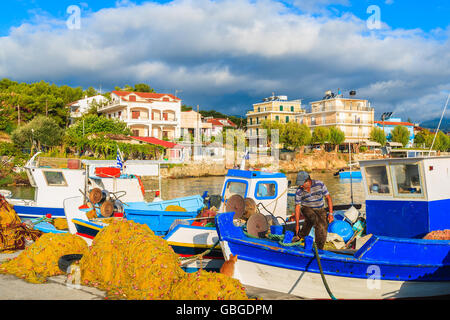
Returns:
point(330, 217)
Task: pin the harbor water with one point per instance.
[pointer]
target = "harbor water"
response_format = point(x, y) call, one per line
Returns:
point(340, 189)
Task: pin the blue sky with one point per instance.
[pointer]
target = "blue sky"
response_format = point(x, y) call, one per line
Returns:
point(408, 14)
point(228, 54)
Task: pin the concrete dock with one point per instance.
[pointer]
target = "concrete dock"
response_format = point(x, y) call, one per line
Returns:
point(13, 288)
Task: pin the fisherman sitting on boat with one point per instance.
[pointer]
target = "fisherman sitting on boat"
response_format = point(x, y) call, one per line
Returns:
point(309, 201)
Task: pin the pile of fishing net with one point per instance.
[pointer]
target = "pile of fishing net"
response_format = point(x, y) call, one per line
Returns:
point(438, 235)
point(129, 261)
point(203, 285)
point(40, 260)
point(13, 233)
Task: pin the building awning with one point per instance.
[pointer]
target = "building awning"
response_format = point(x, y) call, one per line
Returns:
point(394, 144)
point(372, 144)
point(157, 142)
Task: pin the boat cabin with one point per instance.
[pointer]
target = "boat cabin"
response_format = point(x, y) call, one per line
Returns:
point(406, 197)
point(269, 189)
point(53, 185)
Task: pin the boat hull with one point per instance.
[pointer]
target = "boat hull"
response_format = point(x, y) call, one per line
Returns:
point(309, 285)
point(354, 175)
point(188, 241)
point(31, 212)
point(382, 268)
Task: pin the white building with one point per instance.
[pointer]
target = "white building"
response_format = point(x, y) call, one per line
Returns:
point(146, 114)
point(80, 107)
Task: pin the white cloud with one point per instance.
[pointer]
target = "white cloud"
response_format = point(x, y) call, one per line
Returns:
point(223, 52)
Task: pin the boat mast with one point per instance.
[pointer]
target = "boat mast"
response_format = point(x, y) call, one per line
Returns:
point(439, 125)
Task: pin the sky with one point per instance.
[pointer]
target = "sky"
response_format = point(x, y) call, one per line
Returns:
point(228, 54)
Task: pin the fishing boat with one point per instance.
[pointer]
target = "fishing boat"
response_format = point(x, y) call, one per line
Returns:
point(406, 200)
point(53, 185)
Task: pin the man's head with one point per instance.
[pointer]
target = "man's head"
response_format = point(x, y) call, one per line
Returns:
point(303, 179)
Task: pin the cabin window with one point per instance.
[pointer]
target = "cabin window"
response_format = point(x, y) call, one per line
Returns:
point(407, 180)
point(377, 180)
point(265, 190)
point(235, 187)
point(55, 178)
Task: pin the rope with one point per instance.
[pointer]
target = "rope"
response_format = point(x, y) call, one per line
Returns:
point(321, 273)
point(185, 260)
point(277, 238)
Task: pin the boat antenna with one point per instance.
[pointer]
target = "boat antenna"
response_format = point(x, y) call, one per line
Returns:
point(439, 125)
point(350, 164)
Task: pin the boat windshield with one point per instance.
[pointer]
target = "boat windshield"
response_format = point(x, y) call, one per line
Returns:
point(407, 180)
point(377, 180)
point(235, 187)
point(55, 178)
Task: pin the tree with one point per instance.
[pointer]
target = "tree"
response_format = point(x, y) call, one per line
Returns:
point(295, 135)
point(142, 87)
point(400, 134)
point(91, 123)
point(377, 135)
point(320, 135)
point(337, 136)
point(185, 108)
point(42, 130)
point(442, 142)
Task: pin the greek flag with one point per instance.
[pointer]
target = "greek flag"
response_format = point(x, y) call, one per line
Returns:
point(119, 159)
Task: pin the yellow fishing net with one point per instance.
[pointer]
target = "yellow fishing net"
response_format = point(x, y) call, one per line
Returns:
point(130, 262)
point(60, 223)
point(13, 233)
point(203, 285)
point(40, 260)
point(175, 208)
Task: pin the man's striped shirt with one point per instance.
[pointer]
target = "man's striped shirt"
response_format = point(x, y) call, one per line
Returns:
point(314, 198)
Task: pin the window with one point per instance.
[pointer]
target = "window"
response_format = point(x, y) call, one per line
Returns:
point(135, 114)
point(55, 178)
point(377, 180)
point(235, 187)
point(259, 109)
point(277, 118)
point(292, 108)
point(266, 190)
point(281, 108)
point(251, 120)
point(287, 119)
point(407, 180)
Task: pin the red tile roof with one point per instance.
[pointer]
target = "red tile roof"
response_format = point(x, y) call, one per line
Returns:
point(216, 122)
point(390, 123)
point(158, 142)
point(145, 95)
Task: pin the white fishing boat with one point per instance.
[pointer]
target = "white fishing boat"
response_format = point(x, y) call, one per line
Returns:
point(53, 185)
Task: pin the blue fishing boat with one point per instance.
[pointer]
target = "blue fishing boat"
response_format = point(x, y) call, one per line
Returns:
point(406, 199)
point(153, 214)
point(350, 174)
